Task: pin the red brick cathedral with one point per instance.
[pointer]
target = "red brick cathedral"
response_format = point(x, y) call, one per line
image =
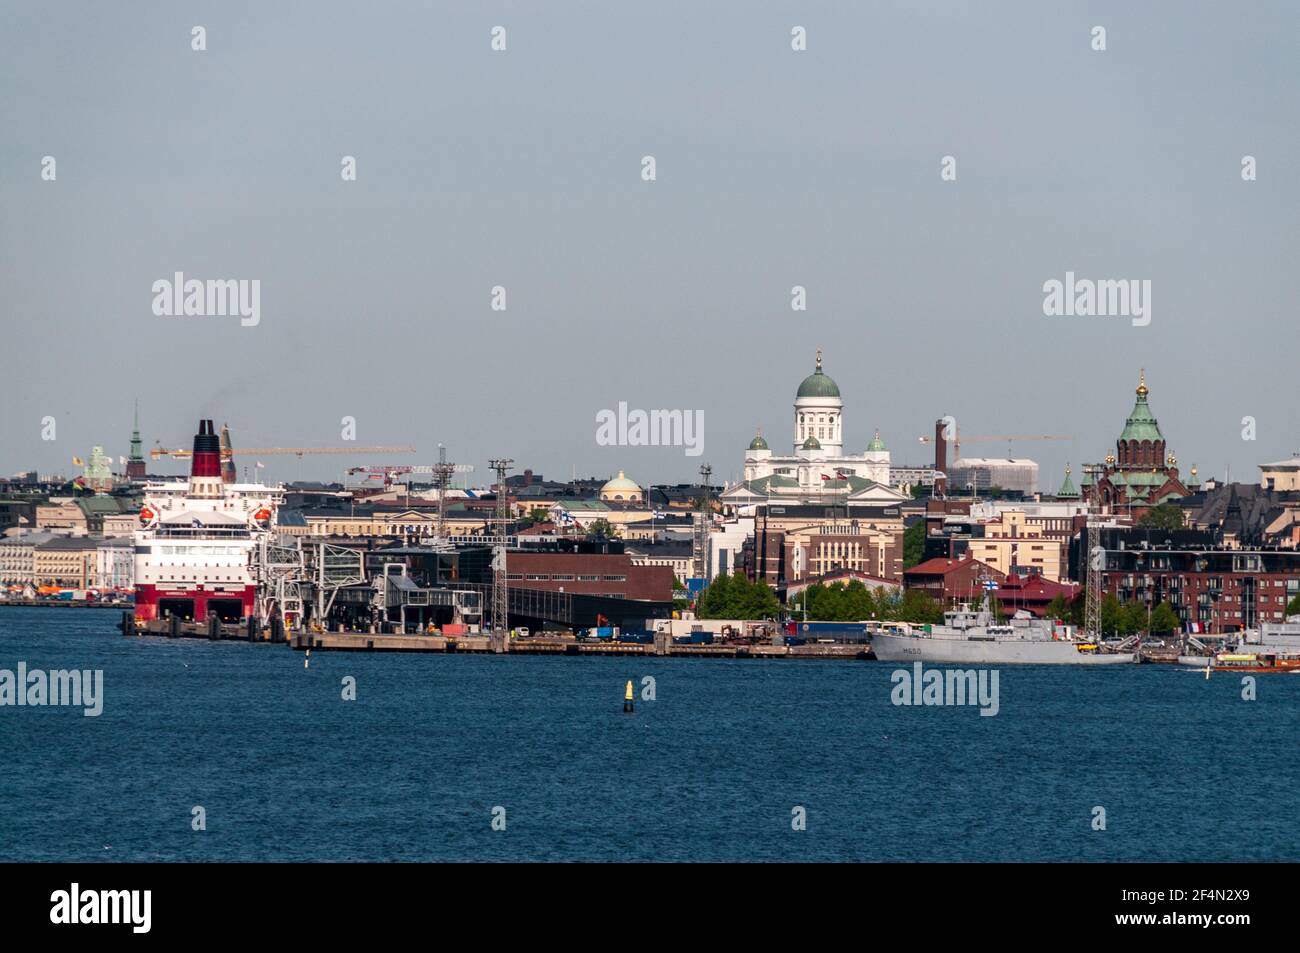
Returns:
point(1140, 473)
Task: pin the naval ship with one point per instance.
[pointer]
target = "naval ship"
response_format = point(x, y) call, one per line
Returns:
point(1279, 639)
point(972, 637)
point(1272, 638)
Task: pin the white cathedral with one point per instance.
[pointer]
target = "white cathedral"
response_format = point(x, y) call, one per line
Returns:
point(817, 468)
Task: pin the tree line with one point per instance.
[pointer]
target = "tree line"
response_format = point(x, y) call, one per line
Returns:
point(737, 597)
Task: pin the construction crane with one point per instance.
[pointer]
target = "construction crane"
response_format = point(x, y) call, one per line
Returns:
point(157, 452)
point(386, 473)
point(284, 451)
point(1010, 438)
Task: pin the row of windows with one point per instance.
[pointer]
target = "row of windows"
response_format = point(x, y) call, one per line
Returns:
point(561, 577)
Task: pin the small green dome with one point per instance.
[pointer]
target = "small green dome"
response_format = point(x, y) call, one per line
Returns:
point(812, 443)
point(758, 443)
point(876, 443)
point(818, 384)
point(620, 488)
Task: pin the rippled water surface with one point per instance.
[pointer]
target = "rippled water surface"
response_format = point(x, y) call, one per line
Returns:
point(710, 770)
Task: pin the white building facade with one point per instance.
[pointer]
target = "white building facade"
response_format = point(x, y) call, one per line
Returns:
point(817, 456)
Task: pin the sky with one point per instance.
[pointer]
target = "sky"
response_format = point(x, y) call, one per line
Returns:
point(774, 168)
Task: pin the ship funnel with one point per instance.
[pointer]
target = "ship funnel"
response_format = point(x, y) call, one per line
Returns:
point(227, 456)
point(206, 461)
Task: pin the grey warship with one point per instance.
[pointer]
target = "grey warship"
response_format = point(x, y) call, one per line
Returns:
point(971, 637)
point(1271, 638)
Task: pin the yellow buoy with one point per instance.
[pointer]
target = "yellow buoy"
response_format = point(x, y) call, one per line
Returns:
point(627, 697)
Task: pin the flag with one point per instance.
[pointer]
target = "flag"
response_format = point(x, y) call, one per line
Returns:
point(78, 462)
point(260, 465)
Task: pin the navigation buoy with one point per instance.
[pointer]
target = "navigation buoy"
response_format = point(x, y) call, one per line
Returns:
point(627, 697)
point(306, 659)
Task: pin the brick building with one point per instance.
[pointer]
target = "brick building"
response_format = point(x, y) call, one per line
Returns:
point(1033, 593)
point(1218, 590)
point(613, 574)
point(947, 579)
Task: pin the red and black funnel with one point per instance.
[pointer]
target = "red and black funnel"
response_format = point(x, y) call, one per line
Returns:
point(206, 461)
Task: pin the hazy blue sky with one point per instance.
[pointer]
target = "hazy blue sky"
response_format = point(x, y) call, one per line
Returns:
point(522, 169)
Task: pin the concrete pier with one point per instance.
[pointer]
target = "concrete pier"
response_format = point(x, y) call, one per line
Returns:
point(484, 644)
point(489, 644)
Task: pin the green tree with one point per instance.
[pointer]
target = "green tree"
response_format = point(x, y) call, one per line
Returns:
point(1133, 618)
point(1078, 609)
point(601, 529)
point(838, 602)
point(918, 608)
point(913, 544)
point(713, 600)
point(1058, 608)
point(1293, 607)
point(1164, 516)
point(1111, 613)
point(735, 597)
point(1164, 619)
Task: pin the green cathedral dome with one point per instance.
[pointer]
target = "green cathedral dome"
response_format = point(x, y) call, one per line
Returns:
point(818, 384)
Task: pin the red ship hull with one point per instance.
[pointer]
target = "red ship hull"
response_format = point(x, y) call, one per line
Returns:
point(193, 605)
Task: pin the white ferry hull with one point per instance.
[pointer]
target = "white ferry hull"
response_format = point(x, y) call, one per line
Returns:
point(944, 650)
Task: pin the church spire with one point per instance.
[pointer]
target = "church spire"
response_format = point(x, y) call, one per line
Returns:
point(136, 454)
point(135, 466)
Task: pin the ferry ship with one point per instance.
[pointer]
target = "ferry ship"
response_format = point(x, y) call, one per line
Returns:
point(1251, 664)
point(971, 637)
point(196, 542)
